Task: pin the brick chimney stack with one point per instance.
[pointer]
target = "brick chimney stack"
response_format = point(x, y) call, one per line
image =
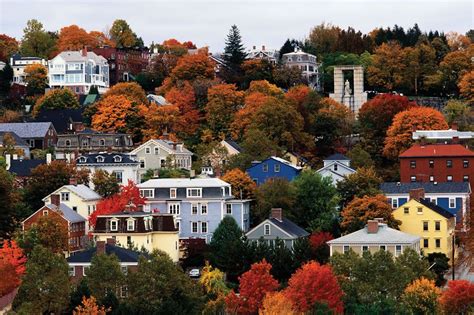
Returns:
point(55, 200)
point(372, 226)
point(84, 51)
point(417, 194)
point(100, 247)
point(73, 181)
point(276, 214)
point(454, 126)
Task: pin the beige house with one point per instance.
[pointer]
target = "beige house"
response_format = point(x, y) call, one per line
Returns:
point(79, 198)
point(373, 237)
point(140, 230)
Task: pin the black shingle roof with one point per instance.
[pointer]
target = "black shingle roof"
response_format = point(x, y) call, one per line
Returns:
point(60, 118)
point(404, 188)
point(108, 159)
point(123, 254)
point(289, 227)
point(234, 144)
point(337, 157)
point(24, 167)
point(436, 208)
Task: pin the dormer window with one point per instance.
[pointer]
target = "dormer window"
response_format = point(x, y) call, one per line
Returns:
point(194, 192)
point(100, 159)
point(114, 225)
point(131, 224)
point(117, 158)
point(102, 142)
point(68, 143)
point(82, 159)
point(335, 167)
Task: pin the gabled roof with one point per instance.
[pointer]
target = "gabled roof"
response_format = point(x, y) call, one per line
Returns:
point(123, 254)
point(77, 56)
point(27, 129)
point(69, 214)
point(88, 99)
point(337, 157)
point(108, 159)
point(183, 183)
point(385, 235)
point(170, 146)
point(18, 141)
point(157, 99)
point(442, 134)
point(329, 166)
point(81, 190)
point(289, 227)
point(278, 159)
point(436, 150)
point(60, 118)
point(233, 144)
point(436, 208)
point(431, 188)
point(23, 167)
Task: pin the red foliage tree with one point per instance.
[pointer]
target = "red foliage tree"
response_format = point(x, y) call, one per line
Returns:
point(10, 279)
point(254, 285)
point(13, 254)
point(185, 99)
point(128, 196)
point(458, 298)
point(314, 283)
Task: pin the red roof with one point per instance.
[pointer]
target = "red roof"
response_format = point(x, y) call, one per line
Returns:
point(437, 150)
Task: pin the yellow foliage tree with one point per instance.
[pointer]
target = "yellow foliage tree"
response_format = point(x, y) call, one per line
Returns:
point(466, 87)
point(421, 297)
point(89, 307)
point(212, 280)
point(111, 113)
point(276, 303)
point(242, 185)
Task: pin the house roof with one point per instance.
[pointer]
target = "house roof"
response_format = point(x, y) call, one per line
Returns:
point(123, 254)
point(283, 161)
point(88, 99)
point(436, 208)
point(384, 235)
point(69, 214)
point(431, 188)
point(183, 183)
point(27, 129)
point(22, 167)
point(108, 159)
point(77, 56)
point(436, 150)
point(60, 118)
point(168, 145)
point(442, 134)
point(233, 144)
point(81, 190)
point(330, 167)
point(289, 227)
point(157, 99)
point(337, 157)
point(161, 222)
point(18, 141)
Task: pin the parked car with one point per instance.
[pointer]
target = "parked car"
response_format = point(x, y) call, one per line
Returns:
point(194, 273)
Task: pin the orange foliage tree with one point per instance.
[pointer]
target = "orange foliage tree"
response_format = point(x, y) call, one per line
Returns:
point(244, 116)
point(466, 87)
point(421, 296)
point(8, 46)
point(100, 39)
point(112, 112)
point(458, 298)
point(183, 98)
point(242, 185)
point(276, 303)
point(89, 307)
point(159, 120)
point(253, 286)
point(356, 214)
point(399, 134)
point(131, 90)
point(12, 253)
point(192, 67)
point(73, 37)
point(10, 279)
point(315, 284)
point(223, 101)
point(128, 198)
point(265, 87)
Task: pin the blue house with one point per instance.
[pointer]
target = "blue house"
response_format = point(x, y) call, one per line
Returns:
point(273, 167)
point(451, 196)
point(198, 204)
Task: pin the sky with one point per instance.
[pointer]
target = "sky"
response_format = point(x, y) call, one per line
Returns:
point(261, 22)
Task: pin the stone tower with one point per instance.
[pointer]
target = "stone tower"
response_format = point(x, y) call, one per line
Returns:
point(343, 94)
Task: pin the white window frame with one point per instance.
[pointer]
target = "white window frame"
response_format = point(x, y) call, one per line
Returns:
point(267, 230)
point(156, 150)
point(265, 167)
point(277, 168)
point(383, 247)
point(142, 163)
point(124, 269)
point(174, 208)
point(194, 209)
point(84, 268)
point(147, 193)
point(204, 206)
point(362, 248)
point(227, 207)
point(345, 249)
point(190, 190)
point(116, 225)
point(72, 271)
point(394, 202)
point(147, 150)
point(100, 159)
point(117, 159)
point(449, 178)
point(173, 193)
point(132, 226)
point(453, 205)
point(119, 178)
point(65, 196)
point(204, 228)
point(397, 252)
point(193, 223)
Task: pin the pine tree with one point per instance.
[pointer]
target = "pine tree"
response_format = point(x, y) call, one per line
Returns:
point(234, 51)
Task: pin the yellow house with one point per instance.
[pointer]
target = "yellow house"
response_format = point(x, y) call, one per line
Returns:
point(432, 223)
point(140, 230)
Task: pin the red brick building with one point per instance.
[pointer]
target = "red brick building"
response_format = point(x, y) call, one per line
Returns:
point(124, 63)
point(437, 163)
point(75, 223)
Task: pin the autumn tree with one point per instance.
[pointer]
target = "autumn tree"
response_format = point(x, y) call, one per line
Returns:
point(159, 120)
point(319, 246)
point(131, 90)
point(458, 298)
point(36, 79)
point(243, 186)
point(37, 41)
point(356, 214)
point(420, 62)
point(12, 266)
point(8, 46)
point(256, 69)
point(387, 68)
point(253, 286)
point(466, 87)
point(421, 297)
point(8, 195)
point(184, 98)
point(10, 279)
point(460, 113)
point(73, 37)
point(99, 39)
point(212, 280)
point(56, 99)
point(104, 275)
point(244, 116)
point(274, 193)
point(190, 68)
point(122, 35)
point(323, 38)
point(399, 134)
point(49, 231)
point(89, 307)
point(105, 183)
point(364, 182)
point(45, 286)
point(223, 101)
point(315, 284)
point(276, 303)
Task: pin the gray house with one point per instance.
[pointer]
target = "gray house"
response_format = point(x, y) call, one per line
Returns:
point(37, 135)
point(158, 153)
point(277, 227)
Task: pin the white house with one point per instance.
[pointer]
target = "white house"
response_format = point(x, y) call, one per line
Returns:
point(336, 166)
point(79, 71)
point(19, 63)
point(79, 198)
point(158, 153)
point(307, 63)
point(271, 55)
point(123, 166)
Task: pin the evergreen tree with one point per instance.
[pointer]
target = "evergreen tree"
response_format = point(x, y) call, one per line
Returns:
point(234, 51)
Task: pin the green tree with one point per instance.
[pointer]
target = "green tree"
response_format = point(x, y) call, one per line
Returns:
point(274, 193)
point(317, 201)
point(360, 157)
point(158, 286)
point(460, 113)
point(105, 183)
point(77, 293)
point(227, 247)
point(36, 41)
point(6, 76)
point(122, 34)
point(440, 267)
point(104, 275)
point(56, 99)
point(234, 51)
point(8, 219)
point(45, 286)
point(364, 182)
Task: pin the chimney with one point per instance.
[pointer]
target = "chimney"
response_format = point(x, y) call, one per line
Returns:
point(8, 161)
point(276, 214)
point(55, 200)
point(109, 150)
point(84, 51)
point(73, 181)
point(454, 126)
point(372, 226)
point(100, 247)
point(263, 47)
point(455, 140)
point(417, 194)
point(192, 173)
point(15, 156)
point(49, 158)
point(254, 47)
point(111, 241)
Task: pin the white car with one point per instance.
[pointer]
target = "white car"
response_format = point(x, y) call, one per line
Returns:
point(194, 273)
